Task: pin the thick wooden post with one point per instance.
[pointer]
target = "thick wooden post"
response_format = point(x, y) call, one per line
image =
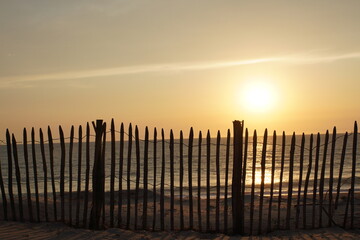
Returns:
point(236, 180)
point(98, 178)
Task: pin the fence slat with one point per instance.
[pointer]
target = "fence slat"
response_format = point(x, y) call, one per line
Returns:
point(199, 182)
point(253, 182)
point(217, 161)
point(317, 156)
point(145, 195)
point(302, 148)
point(290, 183)
point(51, 155)
point(79, 177)
point(181, 179)
point(281, 177)
point(28, 188)
point(322, 178)
point(263, 166)
point(347, 208)
point(112, 172)
point(137, 147)
point(162, 184)
point(35, 174)
point(62, 173)
point(191, 214)
point(128, 210)
point(227, 158)
point(103, 173)
point(243, 183)
point(208, 142)
point(171, 180)
point(342, 160)
point(331, 180)
point(272, 181)
point(307, 179)
point(353, 173)
point(155, 170)
point(3, 195)
point(18, 178)
point(71, 146)
point(121, 168)
point(10, 178)
point(42, 148)
point(87, 175)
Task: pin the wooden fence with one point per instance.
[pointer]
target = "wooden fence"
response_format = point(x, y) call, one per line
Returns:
point(233, 185)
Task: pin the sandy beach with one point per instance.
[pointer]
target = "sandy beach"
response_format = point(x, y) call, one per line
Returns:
point(18, 230)
point(58, 230)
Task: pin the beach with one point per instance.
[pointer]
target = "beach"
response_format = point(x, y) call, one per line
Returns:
point(37, 231)
point(59, 230)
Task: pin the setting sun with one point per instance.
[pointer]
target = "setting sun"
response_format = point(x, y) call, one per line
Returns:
point(258, 97)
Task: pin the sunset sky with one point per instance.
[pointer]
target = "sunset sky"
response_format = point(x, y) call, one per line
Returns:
point(284, 65)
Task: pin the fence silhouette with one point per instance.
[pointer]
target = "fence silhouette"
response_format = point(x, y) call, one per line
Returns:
point(234, 185)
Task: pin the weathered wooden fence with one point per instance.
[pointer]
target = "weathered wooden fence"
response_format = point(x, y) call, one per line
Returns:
point(232, 185)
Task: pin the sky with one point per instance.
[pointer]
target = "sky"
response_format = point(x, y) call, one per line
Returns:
point(282, 65)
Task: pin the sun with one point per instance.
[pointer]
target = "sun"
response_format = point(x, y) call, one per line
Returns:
point(258, 96)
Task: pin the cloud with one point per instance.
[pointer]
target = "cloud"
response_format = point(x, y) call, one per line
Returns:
point(172, 67)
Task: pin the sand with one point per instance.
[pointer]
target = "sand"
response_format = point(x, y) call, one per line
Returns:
point(18, 230)
point(57, 230)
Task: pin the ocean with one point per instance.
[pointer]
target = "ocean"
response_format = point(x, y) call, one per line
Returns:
point(152, 173)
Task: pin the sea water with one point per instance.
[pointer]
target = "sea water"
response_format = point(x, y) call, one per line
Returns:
point(154, 175)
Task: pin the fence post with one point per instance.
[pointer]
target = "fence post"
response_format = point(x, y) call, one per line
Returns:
point(236, 180)
point(98, 196)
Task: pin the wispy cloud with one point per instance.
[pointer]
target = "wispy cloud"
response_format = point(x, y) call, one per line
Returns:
point(173, 67)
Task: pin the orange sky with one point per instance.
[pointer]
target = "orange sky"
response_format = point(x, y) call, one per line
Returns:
point(180, 64)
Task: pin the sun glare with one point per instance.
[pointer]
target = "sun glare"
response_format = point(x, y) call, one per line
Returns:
point(258, 97)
